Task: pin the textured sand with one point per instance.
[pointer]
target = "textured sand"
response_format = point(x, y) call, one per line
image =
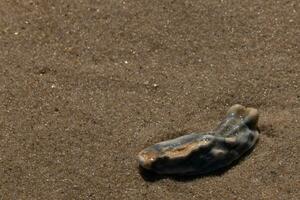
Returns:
point(85, 85)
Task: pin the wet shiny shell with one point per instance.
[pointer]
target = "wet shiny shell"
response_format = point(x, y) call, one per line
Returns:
point(199, 153)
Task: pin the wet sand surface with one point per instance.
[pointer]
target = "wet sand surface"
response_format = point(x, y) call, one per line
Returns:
point(85, 85)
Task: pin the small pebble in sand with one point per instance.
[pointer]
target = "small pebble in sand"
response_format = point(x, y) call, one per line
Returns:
point(199, 153)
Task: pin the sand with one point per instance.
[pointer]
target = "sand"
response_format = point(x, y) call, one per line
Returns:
point(85, 85)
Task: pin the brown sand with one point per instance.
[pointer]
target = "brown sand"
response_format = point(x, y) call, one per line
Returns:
point(85, 85)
